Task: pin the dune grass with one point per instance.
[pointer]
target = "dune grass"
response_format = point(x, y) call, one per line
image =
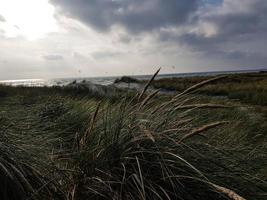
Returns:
point(68, 145)
point(249, 88)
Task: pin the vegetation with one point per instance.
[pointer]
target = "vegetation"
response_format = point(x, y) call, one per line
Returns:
point(126, 79)
point(59, 143)
point(249, 87)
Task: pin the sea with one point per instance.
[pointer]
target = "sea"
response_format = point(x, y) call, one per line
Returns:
point(109, 80)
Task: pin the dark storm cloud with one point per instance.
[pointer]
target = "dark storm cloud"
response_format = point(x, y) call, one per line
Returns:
point(53, 57)
point(229, 22)
point(224, 29)
point(237, 23)
point(134, 15)
point(251, 19)
point(2, 19)
point(231, 17)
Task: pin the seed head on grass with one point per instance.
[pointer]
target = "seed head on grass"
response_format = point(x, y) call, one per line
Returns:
point(148, 84)
point(202, 129)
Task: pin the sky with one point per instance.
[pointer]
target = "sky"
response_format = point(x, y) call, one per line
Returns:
point(86, 38)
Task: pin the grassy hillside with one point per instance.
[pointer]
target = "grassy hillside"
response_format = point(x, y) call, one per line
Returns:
point(58, 144)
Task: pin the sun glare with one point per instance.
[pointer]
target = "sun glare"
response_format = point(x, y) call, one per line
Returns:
point(30, 18)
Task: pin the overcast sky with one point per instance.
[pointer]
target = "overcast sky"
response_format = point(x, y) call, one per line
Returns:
point(70, 38)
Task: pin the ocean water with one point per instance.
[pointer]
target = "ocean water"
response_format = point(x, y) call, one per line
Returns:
point(106, 80)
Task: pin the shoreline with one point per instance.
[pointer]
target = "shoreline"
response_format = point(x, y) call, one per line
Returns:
point(110, 79)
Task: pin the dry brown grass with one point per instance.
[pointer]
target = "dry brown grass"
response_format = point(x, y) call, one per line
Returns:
point(229, 193)
point(202, 129)
point(201, 106)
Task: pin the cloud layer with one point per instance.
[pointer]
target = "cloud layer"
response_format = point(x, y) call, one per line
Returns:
point(135, 16)
point(2, 19)
point(229, 29)
point(116, 37)
point(53, 57)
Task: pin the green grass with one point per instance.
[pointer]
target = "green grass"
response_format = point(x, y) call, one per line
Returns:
point(69, 144)
point(248, 88)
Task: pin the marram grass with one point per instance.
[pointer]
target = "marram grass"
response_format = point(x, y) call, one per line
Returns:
point(56, 146)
